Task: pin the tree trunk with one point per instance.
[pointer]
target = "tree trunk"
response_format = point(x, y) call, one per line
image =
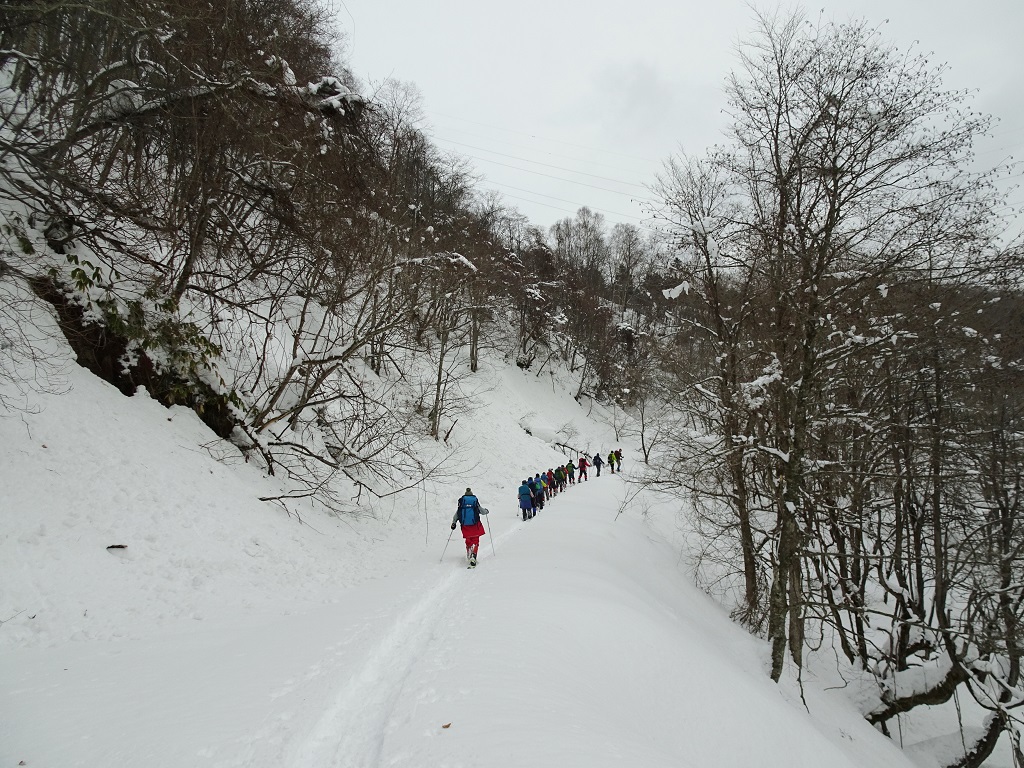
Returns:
point(781, 595)
point(435, 412)
point(474, 341)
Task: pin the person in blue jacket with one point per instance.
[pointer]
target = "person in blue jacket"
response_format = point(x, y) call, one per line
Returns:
point(538, 492)
point(468, 515)
point(526, 500)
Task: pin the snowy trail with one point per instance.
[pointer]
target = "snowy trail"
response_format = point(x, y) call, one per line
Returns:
point(364, 704)
point(404, 665)
point(226, 635)
point(310, 689)
point(562, 650)
point(229, 693)
point(351, 731)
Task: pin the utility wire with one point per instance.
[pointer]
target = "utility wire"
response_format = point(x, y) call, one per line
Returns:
point(591, 207)
point(559, 178)
point(538, 202)
point(583, 173)
point(547, 152)
point(550, 176)
point(538, 162)
point(563, 200)
point(541, 194)
point(541, 138)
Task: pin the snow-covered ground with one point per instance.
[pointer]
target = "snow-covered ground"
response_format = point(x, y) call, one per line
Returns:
point(226, 633)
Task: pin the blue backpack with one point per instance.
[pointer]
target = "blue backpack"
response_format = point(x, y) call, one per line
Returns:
point(467, 510)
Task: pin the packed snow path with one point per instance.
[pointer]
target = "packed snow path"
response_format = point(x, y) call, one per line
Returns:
point(579, 644)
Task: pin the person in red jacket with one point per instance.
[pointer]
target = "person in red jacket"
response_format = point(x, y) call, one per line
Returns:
point(469, 516)
point(583, 467)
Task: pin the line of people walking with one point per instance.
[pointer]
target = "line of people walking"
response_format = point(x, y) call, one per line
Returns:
point(533, 494)
point(543, 486)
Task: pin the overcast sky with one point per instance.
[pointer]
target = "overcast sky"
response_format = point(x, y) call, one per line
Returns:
point(564, 103)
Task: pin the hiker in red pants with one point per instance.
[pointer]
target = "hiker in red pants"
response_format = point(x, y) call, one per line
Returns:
point(468, 515)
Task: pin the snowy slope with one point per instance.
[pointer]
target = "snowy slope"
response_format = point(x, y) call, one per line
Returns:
point(227, 633)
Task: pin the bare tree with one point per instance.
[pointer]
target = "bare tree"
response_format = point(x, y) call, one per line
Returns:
point(845, 173)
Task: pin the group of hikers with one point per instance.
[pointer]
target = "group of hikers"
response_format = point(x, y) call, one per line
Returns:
point(533, 493)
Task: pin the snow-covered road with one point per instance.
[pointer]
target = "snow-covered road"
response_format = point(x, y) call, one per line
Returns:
point(574, 646)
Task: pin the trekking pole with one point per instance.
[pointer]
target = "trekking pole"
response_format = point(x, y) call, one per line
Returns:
point(493, 553)
point(446, 545)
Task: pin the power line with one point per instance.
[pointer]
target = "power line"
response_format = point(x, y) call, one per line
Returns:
point(1007, 132)
point(534, 149)
point(563, 200)
point(559, 178)
point(538, 202)
point(570, 170)
point(566, 210)
point(631, 197)
point(538, 162)
point(591, 207)
point(541, 194)
point(541, 138)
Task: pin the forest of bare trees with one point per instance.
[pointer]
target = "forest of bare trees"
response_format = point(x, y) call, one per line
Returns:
point(852, 425)
point(818, 348)
point(217, 213)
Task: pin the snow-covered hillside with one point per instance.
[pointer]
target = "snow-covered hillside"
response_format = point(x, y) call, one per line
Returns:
point(221, 631)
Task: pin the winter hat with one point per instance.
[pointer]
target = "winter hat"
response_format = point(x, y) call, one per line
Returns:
point(469, 492)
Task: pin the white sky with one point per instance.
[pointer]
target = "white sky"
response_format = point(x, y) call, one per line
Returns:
point(563, 103)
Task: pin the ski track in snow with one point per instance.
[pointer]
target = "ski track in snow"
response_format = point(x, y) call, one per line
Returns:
point(352, 729)
point(363, 707)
